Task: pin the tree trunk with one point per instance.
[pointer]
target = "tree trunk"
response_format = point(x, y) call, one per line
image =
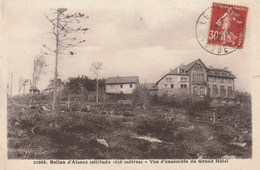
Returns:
point(97, 90)
point(68, 101)
point(54, 104)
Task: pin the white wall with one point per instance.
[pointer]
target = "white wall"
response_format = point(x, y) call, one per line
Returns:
point(117, 89)
point(175, 80)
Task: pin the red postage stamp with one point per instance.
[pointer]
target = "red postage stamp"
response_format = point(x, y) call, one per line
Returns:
point(227, 25)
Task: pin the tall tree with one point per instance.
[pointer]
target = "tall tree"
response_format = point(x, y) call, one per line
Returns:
point(39, 65)
point(95, 67)
point(65, 28)
point(22, 84)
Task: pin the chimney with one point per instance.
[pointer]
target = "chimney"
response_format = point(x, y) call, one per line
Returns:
point(226, 68)
point(210, 67)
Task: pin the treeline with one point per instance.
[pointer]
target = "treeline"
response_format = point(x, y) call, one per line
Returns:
point(77, 84)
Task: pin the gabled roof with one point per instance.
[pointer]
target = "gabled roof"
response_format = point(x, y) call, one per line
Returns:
point(174, 71)
point(34, 89)
point(186, 67)
point(210, 71)
point(51, 86)
point(122, 80)
point(190, 65)
point(220, 73)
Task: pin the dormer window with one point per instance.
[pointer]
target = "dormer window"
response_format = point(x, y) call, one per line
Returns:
point(181, 70)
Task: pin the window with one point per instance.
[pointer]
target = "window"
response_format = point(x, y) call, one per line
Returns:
point(168, 79)
point(183, 86)
point(222, 91)
point(181, 70)
point(229, 81)
point(215, 91)
point(121, 86)
point(183, 79)
point(221, 80)
point(230, 91)
point(213, 79)
point(202, 90)
point(165, 85)
point(130, 85)
point(172, 86)
point(198, 73)
point(195, 90)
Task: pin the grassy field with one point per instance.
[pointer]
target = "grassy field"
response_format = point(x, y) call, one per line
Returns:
point(127, 132)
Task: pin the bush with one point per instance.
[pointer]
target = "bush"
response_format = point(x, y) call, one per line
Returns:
point(171, 101)
point(156, 126)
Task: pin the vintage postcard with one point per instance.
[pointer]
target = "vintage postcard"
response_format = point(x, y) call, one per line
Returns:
point(129, 84)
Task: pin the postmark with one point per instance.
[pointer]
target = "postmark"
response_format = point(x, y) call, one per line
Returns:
point(220, 29)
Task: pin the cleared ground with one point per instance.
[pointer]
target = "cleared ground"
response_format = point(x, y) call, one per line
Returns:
point(111, 131)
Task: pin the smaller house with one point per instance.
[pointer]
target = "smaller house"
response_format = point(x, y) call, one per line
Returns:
point(34, 90)
point(151, 88)
point(49, 89)
point(121, 85)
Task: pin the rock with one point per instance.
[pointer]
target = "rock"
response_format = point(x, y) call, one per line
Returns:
point(88, 108)
point(147, 138)
point(112, 112)
point(239, 144)
point(45, 108)
point(103, 142)
point(210, 138)
point(245, 132)
point(17, 124)
point(241, 138)
point(189, 128)
point(20, 133)
point(57, 125)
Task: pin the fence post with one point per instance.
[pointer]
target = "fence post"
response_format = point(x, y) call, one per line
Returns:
point(214, 116)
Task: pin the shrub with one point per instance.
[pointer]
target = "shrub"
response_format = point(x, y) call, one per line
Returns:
point(157, 126)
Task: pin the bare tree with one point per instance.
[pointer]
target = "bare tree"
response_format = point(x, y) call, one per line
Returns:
point(64, 27)
point(22, 84)
point(39, 65)
point(95, 67)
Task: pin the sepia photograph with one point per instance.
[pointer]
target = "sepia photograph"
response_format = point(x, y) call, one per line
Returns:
point(128, 80)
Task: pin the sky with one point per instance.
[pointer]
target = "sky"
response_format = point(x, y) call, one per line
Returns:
point(131, 38)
